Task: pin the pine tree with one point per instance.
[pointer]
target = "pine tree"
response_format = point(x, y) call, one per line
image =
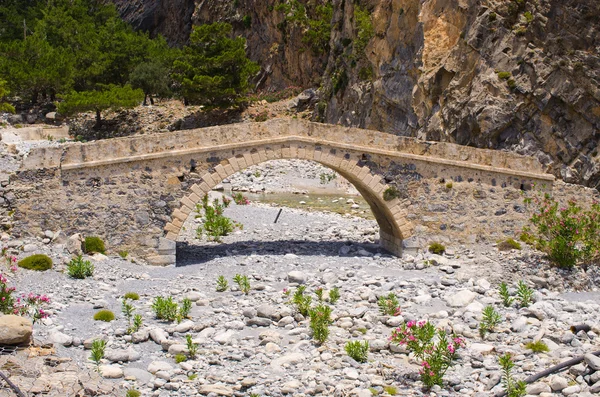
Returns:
point(214, 70)
point(4, 106)
point(112, 97)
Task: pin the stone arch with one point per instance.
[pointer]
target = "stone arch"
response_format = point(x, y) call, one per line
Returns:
point(390, 215)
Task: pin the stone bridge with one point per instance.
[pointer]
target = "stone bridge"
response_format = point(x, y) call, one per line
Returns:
point(136, 192)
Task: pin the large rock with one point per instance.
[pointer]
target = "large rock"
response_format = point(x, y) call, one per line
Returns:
point(156, 366)
point(74, 244)
point(15, 330)
point(111, 371)
point(296, 276)
point(219, 390)
point(461, 298)
point(592, 361)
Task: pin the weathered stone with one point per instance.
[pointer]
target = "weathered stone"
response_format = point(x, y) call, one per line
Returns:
point(461, 298)
point(219, 390)
point(111, 371)
point(592, 361)
point(15, 330)
point(296, 277)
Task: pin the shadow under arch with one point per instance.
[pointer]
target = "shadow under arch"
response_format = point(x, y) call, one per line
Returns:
point(390, 215)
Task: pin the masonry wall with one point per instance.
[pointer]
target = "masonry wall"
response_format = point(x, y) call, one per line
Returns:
point(126, 190)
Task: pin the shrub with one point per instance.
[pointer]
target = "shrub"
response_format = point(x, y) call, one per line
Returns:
point(537, 347)
point(508, 244)
point(97, 351)
point(449, 185)
point(215, 225)
point(431, 347)
point(243, 283)
point(222, 284)
point(358, 351)
point(391, 390)
point(507, 300)
point(524, 294)
point(240, 199)
point(511, 387)
point(104, 315)
point(134, 296)
point(165, 308)
point(7, 302)
point(179, 358)
point(490, 320)
point(94, 245)
point(38, 262)
point(504, 75)
point(320, 318)
point(390, 193)
point(191, 346)
point(568, 234)
point(334, 295)
point(79, 268)
point(437, 248)
point(133, 393)
point(302, 301)
point(123, 254)
point(389, 305)
point(185, 308)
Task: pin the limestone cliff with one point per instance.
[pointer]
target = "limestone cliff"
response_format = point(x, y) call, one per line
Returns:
point(519, 75)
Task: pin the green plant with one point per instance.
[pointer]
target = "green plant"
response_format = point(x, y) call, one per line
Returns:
point(492, 16)
point(511, 83)
point(507, 300)
point(191, 346)
point(319, 293)
point(568, 234)
point(137, 323)
point(179, 358)
point(504, 75)
point(528, 16)
point(391, 390)
point(222, 284)
point(39, 262)
point(508, 244)
point(192, 377)
point(524, 294)
point(320, 318)
point(133, 393)
point(165, 308)
point(97, 352)
point(185, 308)
point(389, 305)
point(357, 350)
point(104, 315)
point(215, 224)
point(390, 193)
point(79, 268)
point(7, 301)
point(326, 178)
point(302, 301)
point(512, 388)
point(127, 309)
point(489, 322)
point(437, 248)
point(134, 296)
point(242, 282)
point(449, 185)
point(373, 391)
point(247, 21)
point(362, 330)
point(123, 254)
point(364, 29)
point(94, 244)
point(240, 199)
point(537, 346)
point(431, 346)
point(334, 295)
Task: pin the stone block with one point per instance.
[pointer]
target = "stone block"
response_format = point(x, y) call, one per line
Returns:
point(248, 158)
point(208, 179)
point(194, 198)
point(256, 158)
point(233, 162)
point(294, 150)
point(301, 153)
point(205, 188)
point(262, 155)
point(172, 236)
point(375, 181)
point(177, 214)
point(229, 170)
point(367, 179)
point(166, 246)
point(161, 260)
point(172, 228)
point(178, 223)
point(362, 173)
point(285, 153)
point(242, 163)
point(196, 189)
point(188, 203)
point(317, 155)
point(221, 171)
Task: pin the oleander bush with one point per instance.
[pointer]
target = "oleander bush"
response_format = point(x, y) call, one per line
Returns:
point(38, 262)
point(80, 268)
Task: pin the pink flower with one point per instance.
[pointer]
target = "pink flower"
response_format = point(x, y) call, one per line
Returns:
point(451, 349)
point(410, 324)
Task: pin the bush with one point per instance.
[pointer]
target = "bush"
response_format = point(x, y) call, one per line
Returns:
point(165, 308)
point(215, 224)
point(537, 347)
point(568, 234)
point(504, 75)
point(391, 193)
point(358, 351)
point(179, 358)
point(389, 305)
point(133, 393)
point(508, 244)
point(94, 245)
point(134, 296)
point(320, 318)
point(437, 248)
point(38, 262)
point(104, 315)
point(79, 268)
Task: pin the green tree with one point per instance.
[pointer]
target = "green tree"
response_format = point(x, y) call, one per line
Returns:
point(152, 78)
point(214, 70)
point(111, 97)
point(5, 107)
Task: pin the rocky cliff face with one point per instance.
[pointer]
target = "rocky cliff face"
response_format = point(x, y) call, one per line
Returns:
point(520, 75)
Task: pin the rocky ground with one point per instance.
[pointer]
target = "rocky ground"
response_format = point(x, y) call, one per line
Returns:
point(258, 343)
